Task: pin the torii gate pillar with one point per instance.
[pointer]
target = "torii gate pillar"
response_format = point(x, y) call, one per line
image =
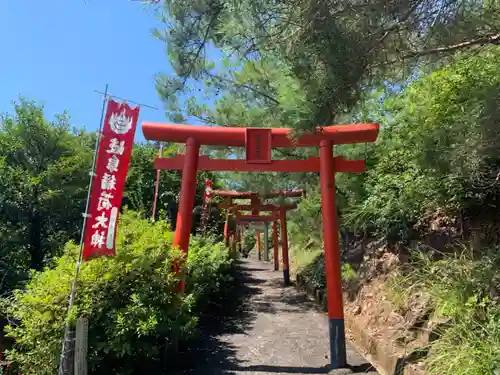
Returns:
point(332, 255)
point(226, 223)
point(255, 201)
point(284, 248)
point(186, 200)
point(276, 245)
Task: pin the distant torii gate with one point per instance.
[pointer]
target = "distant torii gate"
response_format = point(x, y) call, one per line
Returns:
point(255, 200)
point(278, 213)
point(259, 143)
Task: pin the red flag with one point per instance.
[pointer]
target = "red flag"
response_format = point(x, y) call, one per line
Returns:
point(208, 190)
point(113, 158)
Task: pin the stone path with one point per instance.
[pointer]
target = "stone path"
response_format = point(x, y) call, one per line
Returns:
point(276, 330)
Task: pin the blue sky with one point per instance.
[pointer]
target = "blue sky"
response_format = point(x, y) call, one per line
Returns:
point(58, 51)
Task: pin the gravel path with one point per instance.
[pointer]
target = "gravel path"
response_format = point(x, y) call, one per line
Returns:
point(275, 330)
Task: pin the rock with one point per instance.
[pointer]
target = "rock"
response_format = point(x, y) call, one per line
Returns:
point(357, 310)
point(341, 371)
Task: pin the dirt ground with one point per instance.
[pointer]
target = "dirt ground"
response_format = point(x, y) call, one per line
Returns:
point(265, 328)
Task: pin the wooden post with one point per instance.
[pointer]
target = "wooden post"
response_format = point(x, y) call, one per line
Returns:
point(226, 223)
point(266, 242)
point(69, 355)
point(284, 247)
point(81, 346)
point(157, 185)
point(255, 201)
point(259, 246)
point(276, 246)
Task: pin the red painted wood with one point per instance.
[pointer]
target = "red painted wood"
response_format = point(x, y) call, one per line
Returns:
point(310, 165)
point(255, 218)
point(284, 247)
point(280, 137)
point(276, 246)
point(258, 145)
point(330, 233)
point(253, 195)
point(261, 208)
point(327, 165)
point(186, 201)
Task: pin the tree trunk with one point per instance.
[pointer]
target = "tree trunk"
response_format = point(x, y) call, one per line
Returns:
point(35, 241)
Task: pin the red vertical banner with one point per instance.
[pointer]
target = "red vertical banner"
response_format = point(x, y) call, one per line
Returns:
point(207, 196)
point(208, 191)
point(113, 159)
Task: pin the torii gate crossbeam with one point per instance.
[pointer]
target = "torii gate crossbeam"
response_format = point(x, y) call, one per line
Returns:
point(259, 143)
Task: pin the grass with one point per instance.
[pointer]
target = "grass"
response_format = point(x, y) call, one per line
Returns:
point(301, 259)
point(461, 289)
point(310, 263)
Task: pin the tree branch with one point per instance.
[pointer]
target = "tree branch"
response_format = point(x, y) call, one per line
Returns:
point(243, 85)
point(198, 52)
point(486, 39)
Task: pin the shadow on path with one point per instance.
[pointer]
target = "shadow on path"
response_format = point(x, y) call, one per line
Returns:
point(249, 332)
point(207, 354)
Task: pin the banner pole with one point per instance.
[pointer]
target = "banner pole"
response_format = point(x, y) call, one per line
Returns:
point(65, 359)
point(157, 184)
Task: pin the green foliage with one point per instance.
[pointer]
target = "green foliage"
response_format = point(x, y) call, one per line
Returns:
point(311, 266)
point(463, 291)
point(43, 178)
point(209, 266)
point(249, 239)
point(141, 178)
point(44, 168)
point(306, 216)
point(133, 310)
point(306, 62)
point(438, 149)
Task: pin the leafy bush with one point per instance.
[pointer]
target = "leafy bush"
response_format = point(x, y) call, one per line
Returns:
point(307, 216)
point(249, 240)
point(209, 266)
point(312, 269)
point(133, 310)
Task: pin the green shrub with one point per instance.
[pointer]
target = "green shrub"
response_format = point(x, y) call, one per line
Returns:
point(209, 266)
point(249, 240)
point(305, 222)
point(312, 268)
point(133, 310)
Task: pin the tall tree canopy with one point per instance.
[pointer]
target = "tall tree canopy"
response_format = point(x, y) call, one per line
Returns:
point(44, 176)
point(310, 60)
point(44, 169)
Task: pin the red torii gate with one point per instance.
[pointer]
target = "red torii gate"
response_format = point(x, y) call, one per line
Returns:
point(259, 219)
point(255, 200)
point(258, 143)
point(278, 213)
